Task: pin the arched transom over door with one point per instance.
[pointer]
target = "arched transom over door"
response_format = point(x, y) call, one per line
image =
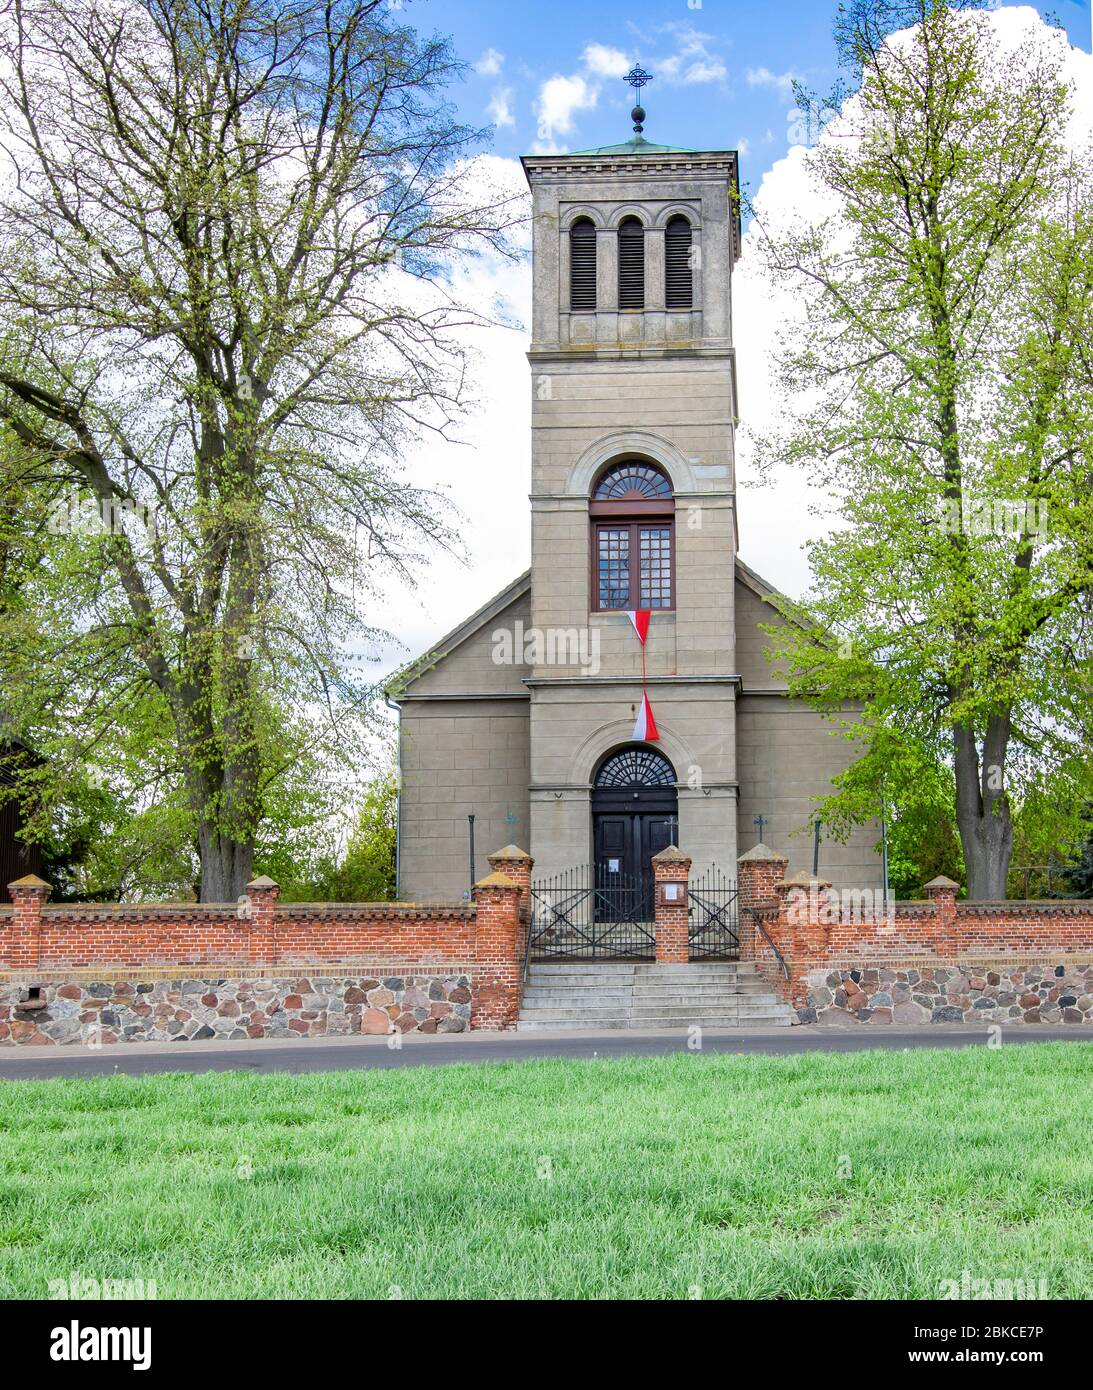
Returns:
point(634, 810)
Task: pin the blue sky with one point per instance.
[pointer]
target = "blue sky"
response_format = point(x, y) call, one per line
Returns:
point(721, 68)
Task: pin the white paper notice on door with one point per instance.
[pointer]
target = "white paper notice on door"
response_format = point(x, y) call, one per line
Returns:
point(612, 866)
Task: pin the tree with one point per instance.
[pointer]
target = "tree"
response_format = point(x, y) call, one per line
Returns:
point(364, 871)
point(226, 306)
point(938, 385)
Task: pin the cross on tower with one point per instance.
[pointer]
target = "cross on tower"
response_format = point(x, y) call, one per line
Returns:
point(760, 821)
point(637, 77)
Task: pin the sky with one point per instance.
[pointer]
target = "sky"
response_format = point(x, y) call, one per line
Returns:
point(548, 77)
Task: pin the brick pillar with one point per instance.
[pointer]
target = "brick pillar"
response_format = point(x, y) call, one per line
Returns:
point(261, 898)
point(515, 863)
point(758, 874)
point(28, 896)
point(495, 989)
point(672, 866)
point(800, 902)
point(942, 893)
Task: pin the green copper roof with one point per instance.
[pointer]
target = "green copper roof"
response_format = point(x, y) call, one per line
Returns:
point(637, 145)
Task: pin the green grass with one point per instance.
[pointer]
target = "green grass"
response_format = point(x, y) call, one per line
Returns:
point(667, 1177)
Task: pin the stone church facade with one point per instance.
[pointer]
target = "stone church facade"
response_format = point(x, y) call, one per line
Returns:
point(524, 716)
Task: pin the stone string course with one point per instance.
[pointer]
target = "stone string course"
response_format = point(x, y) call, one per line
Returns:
point(181, 1009)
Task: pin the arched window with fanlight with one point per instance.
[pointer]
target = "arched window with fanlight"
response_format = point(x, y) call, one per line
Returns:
point(631, 264)
point(678, 283)
point(582, 265)
point(632, 510)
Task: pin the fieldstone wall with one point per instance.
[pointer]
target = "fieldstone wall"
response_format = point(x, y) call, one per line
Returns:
point(98, 1010)
point(951, 992)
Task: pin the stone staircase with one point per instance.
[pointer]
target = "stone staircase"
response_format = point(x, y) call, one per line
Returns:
point(591, 995)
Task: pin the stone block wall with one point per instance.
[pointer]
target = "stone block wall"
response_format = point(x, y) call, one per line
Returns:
point(965, 992)
point(94, 1009)
point(109, 973)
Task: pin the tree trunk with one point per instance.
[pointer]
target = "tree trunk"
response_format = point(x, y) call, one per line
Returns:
point(226, 866)
point(982, 810)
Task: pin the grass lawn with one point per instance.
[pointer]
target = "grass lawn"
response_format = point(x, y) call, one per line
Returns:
point(872, 1175)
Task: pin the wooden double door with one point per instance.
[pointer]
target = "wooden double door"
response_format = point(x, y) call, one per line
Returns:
point(625, 842)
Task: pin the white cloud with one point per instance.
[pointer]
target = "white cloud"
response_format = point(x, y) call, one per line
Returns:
point(500, 108)
point(606, 62)
point(560, 98)
point(693, 60)
point(708, 70)
point(743, 145)
point(490, 63)
point(782, 82)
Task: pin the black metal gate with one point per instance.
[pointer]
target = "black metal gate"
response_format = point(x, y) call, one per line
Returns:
point(588, 913)
point(713, 917)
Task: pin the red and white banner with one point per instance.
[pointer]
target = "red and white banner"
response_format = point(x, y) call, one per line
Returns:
point(645, 727)
point(640, 618)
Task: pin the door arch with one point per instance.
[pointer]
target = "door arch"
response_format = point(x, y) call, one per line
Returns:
point(635, 808)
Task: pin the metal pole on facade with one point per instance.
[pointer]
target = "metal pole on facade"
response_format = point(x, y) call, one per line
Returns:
point(884, 842)
point(470, 828)
point(816, 850)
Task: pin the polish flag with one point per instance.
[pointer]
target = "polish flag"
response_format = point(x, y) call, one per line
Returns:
point(640, 618)
point(645, 729)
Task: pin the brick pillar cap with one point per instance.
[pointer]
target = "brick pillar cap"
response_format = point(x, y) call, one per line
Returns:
point(496, 881)
point(29, 881)
point(671, 855)
point(263, 881)
point(801, 879)
point(762, 851)
point(941, 883)
point(509, 852)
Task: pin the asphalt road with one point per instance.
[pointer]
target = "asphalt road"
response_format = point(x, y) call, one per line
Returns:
point(266, 1057)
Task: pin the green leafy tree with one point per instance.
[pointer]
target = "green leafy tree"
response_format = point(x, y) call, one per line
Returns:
point(938, 386)
point(226, 308)
point(363, 872)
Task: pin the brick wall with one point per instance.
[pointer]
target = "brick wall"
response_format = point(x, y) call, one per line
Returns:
point(54, 954)
point(939, 961)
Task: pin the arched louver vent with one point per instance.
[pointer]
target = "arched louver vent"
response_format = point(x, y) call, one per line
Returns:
point(636, 767)
point(631, 264)
point(677, 263)
point(582, 265)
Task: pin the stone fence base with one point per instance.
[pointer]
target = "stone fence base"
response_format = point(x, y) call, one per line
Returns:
point(951, 992)
point(95, 1009)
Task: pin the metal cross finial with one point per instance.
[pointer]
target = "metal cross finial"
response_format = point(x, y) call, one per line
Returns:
point(637, 78)
point(760, 821)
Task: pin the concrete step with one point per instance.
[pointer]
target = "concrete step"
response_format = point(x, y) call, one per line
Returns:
point(543, 1025)
point(609, 969)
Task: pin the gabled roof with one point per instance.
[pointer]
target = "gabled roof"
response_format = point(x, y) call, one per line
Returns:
point(520, 586)
point(445, 645)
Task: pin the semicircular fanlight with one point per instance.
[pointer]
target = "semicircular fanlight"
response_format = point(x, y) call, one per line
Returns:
point(636, 767)
point(632, 479)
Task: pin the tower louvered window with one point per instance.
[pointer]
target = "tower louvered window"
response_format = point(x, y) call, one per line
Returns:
point(582, 265)
point(677, 263)
point(631, 264)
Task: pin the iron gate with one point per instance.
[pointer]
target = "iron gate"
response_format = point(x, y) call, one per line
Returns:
point(713, 917)
point(587, 913)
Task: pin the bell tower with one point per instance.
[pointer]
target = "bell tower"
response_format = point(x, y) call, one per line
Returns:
point(633, 491)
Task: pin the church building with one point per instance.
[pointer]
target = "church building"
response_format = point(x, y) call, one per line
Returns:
point(616, 698)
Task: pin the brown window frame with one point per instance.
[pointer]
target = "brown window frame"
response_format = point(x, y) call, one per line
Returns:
point(631, 513)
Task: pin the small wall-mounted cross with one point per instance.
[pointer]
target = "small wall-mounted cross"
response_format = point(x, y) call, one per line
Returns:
point(760, 821)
